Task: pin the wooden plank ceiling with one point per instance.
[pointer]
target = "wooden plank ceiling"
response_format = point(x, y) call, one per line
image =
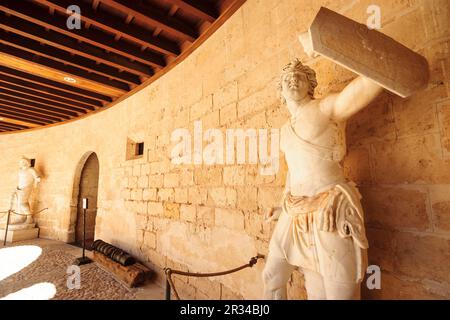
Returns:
point(51, 74)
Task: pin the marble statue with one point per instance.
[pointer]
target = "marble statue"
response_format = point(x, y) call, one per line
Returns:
point(320, 227)
point(28, 178)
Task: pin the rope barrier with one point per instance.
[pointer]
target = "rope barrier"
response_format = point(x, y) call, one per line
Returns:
point(169, 272)
point(21, 214)
point(11, 211)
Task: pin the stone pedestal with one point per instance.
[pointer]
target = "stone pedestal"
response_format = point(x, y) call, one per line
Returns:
point(18, 235)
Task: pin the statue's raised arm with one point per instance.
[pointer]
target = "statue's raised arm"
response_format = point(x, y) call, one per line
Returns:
point(354, 97)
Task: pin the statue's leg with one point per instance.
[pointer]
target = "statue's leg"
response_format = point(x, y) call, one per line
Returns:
point(276, 273)
point(314, 285)
point(29, 219)
point(342, 290)
point(24, 205)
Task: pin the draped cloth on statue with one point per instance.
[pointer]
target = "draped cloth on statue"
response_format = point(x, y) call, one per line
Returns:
point(324, 233)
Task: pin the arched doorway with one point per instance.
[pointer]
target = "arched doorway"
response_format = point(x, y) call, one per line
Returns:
point(88, 188)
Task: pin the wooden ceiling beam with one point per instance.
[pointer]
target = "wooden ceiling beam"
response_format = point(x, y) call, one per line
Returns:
point(40, 95)
point(72, 92)
point(38, 15)
point(67, 69)
point(32, 112)
point(12, 125)
point(33, 121)
point(56, 54)
point(95, 4)
point(27, 102)
point(20, 117)
point(26, 98)
point(44, 110)
point(108, 23)
point(51, 74)
point(5, 126)
point(29, 97)
point(64, 42)
point(44, 67)
point(25, 114)
point(151, 16)
point(200, 9)
point(6, 129)
point(172, 11)
point(49, 91)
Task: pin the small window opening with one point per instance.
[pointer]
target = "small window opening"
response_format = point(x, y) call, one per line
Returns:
point(139, 148)
point(135, 150)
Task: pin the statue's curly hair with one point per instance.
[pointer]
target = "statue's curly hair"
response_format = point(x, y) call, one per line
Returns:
point(296, 65)
point(23, 158)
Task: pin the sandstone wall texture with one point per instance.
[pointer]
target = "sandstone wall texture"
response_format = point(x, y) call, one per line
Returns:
point(206, 218)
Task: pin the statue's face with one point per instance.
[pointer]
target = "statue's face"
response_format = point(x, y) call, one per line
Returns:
point(294, 86)
point(23, 163)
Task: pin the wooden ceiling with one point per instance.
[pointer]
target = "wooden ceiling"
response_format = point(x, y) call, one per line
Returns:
point(50, 73)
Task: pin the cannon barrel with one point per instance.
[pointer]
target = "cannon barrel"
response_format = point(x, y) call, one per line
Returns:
point(113, 252)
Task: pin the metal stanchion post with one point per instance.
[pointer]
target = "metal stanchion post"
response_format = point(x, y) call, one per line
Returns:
point(167, 290)
point(11, 204)
point(6, 228)
point(83, 259)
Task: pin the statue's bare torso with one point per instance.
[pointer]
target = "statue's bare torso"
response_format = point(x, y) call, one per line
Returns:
point(27, 177)
point(312, 169)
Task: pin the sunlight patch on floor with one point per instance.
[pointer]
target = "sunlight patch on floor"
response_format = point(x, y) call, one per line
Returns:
point(39, 291)
point(14, 259)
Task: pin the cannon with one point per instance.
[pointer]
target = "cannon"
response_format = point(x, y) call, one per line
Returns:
point(112, 252)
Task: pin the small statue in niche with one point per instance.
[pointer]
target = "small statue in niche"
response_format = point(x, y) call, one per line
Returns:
point(320, 226)
point(28, 179)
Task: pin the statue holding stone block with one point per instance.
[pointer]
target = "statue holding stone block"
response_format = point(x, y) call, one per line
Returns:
point(320, 226)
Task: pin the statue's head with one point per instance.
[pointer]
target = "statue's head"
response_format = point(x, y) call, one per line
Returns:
point(24, 162)
point(297, 81)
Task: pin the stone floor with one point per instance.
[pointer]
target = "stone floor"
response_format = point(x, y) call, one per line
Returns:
point(38, 269)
